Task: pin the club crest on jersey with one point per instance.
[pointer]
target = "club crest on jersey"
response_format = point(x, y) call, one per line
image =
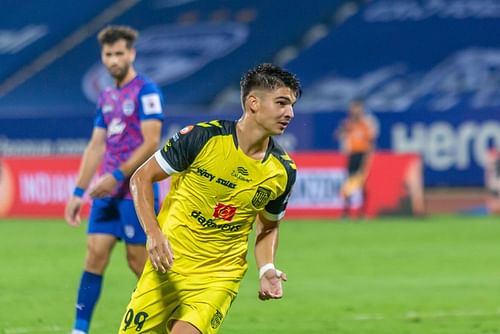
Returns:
point(224, 211)
point(261, 197)
point(128, 107)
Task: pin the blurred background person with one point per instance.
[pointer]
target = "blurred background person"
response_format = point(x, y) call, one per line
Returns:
point(127, 130)
point(357, 135)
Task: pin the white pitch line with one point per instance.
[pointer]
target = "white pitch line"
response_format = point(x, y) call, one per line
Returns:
point(432, 315)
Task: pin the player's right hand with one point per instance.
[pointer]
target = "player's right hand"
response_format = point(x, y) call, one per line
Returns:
point(159, 251)
point(271, 284)
point(72, 211)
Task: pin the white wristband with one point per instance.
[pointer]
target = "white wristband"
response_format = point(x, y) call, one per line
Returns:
point(264, 268)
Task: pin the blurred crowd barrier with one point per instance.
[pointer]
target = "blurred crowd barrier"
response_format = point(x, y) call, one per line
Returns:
point(40, 186)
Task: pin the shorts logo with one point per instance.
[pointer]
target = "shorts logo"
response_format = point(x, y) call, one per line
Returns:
point(129, 231)
point(216, 319)
point(261, 197)
point(224, 211)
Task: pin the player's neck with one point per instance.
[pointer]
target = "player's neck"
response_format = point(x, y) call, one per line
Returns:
point(251, 141)
point(131, 74)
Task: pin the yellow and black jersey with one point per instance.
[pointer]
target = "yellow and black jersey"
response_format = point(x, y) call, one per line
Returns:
point(216, 193)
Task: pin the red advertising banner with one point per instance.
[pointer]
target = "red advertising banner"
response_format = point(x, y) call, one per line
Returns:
point(37, 186)
point(40, 186)
point(393, 186)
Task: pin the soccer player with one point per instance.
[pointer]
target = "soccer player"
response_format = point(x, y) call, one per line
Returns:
point(226, 175)
point(127, 130)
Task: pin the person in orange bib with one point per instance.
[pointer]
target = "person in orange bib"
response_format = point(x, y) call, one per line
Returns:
point(357, 135)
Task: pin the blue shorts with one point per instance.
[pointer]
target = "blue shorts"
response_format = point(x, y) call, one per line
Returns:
point(116, 216)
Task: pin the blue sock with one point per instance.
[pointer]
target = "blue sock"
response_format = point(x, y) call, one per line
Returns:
point(88, 294)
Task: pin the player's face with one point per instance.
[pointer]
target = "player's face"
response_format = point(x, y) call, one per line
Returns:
point(117, 58)
point(356, 110)
point(275, 109)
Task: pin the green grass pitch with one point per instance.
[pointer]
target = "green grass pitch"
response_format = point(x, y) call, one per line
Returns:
point(437, 275)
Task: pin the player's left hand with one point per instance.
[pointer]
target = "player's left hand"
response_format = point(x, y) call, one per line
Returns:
point(104, 186)
point(271, 285)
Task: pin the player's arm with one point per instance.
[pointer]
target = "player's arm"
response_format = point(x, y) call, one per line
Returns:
point(141, 187)
point(267, 230)
point(91, 159)
point(266, 244)
point(151, 132)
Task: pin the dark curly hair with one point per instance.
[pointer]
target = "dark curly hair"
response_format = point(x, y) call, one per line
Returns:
point(112, 34)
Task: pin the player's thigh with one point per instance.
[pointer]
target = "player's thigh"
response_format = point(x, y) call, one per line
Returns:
point(151, 304)
point(205, 304)
point(104, 218)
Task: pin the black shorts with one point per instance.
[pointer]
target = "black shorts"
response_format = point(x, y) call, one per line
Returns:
point(354, 162)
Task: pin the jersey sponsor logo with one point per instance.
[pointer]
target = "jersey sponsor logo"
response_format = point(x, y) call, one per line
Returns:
point(205, 173)
point(226, 183)
point(151, 104)
point(107, 108)
point(216, 319)
point(261, 197)
point(210, 223)
point(241, 173)
point(116, 127)
point(224, 211)
point(186, 129)
point(128, 107)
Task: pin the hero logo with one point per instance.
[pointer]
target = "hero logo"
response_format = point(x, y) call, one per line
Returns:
point(170, 53)
point(444, 146)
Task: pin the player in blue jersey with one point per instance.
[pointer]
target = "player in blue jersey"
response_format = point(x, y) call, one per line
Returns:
point(127, 130)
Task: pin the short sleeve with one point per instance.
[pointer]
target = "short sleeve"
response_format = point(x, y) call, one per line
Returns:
point(150, 100)
point(275, 209)
point(181, 150)
point(99, 117)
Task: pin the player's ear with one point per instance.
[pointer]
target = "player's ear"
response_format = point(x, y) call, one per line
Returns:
point(253, 102)
point(133, 54)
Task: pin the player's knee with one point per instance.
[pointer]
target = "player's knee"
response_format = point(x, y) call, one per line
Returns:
point(97, 259)
point(136, 262)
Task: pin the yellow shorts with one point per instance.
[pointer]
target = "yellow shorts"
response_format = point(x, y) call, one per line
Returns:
point(160, 299)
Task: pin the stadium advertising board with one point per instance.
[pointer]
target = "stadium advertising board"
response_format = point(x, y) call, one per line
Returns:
point(36, 186)
point(393, 186)
point(40, 186)
point(453, 145)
